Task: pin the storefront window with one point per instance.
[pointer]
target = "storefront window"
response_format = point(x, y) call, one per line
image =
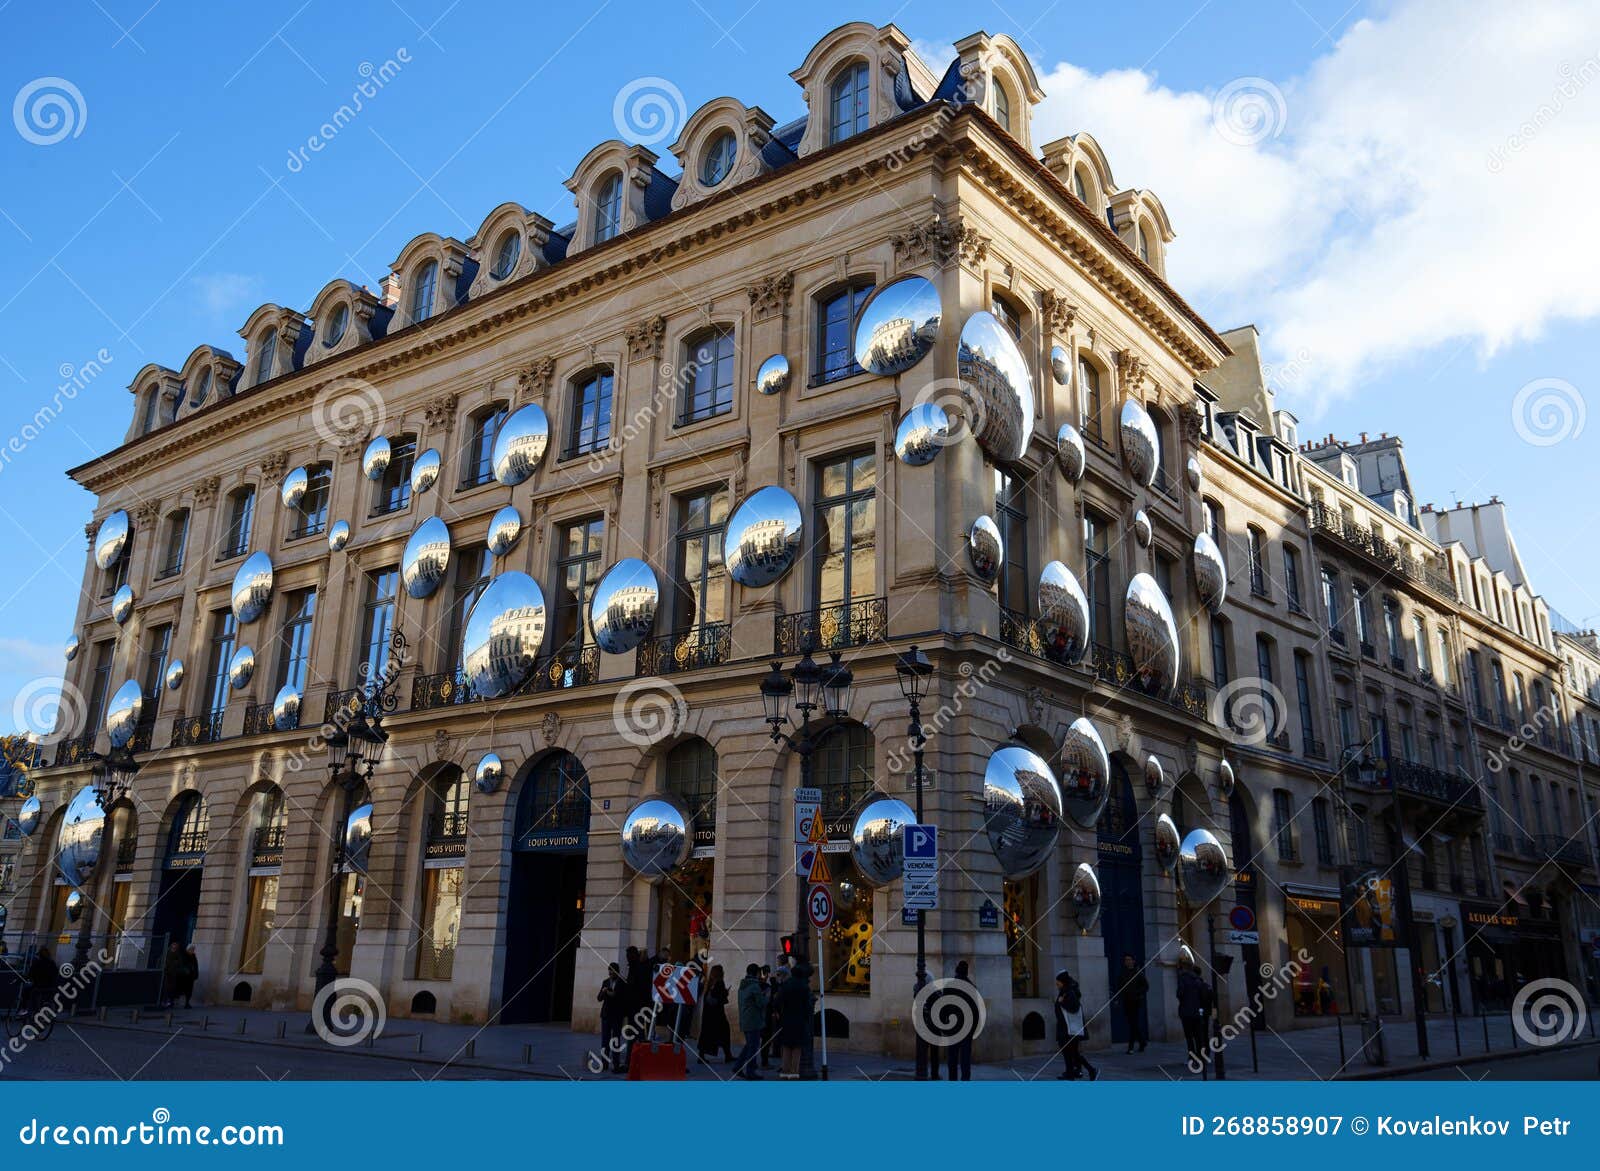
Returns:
point(685, 908)
point(442, 890)
point(1022, 937)
point(844, 773)
point(261, 917)
point(1313, 928)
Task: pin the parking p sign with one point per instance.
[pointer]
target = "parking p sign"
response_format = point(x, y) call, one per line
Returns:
point(921, 868)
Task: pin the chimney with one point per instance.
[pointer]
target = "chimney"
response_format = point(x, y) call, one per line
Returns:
point(1363, 437)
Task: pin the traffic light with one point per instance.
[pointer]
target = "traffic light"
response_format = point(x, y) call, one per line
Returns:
point(788, 946)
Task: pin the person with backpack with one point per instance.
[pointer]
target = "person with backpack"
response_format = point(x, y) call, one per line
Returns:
point(1194, 1007)
point(1070, 1028)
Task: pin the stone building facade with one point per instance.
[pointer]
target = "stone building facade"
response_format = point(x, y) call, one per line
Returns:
point(639, 329)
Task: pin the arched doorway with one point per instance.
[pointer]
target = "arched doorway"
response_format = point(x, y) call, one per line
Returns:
point(266, 824)
point(689, 774)
point(182, 864)
point(544, 907)
point(1121, 886)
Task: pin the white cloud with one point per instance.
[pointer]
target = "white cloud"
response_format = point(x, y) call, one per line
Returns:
point(1428, 184)
point(228, 292)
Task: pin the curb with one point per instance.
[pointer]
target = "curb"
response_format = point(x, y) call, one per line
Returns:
point(1467, 1059)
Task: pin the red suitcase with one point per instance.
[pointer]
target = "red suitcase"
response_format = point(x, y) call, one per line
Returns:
point(650, 1062)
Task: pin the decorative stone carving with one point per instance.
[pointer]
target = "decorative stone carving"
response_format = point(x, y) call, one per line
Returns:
point(441, 744)
point(440, 414)
point(533, 380)
point(769, 296)
point(655, 491)
point(91, 530)
point(1058, 312)
point(1132, 369)
point(1193, 420)
point(944, 241)
point(644, 339)
point(206, 490)
point(550, 728)
point(1038, 706)
point(273, 466)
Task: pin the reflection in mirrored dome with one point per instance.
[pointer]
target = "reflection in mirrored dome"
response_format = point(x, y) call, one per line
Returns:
point(622, 609)
point(1063, 614)
point(656, 836)
point(338, 535)
point(111, 539)
point(520, 445)
point(1141, 446)
point(505, 632)
point(773, 375)
point(1085, 773)
point(505, 529)
point(922, 434)
point(426, 561)
point(1203, 869)
point(1070, 456)
point(877, 840)
point(252, 588)
point(375, 459)
point(123, 712)
point(898, 326)
point(294, 488)
point(82, 827)
point(985, 549)
point(762, 539)
point(425, 471)
point(1022, 809)
point(1152, 634)
point(998, 387)
point(1085, 897)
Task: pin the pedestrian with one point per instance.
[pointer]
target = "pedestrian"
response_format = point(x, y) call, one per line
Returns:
point(715, 1035)
point(1194, 1002)
point(752, 1020)
point(959, 1052)
point(173, 970)
point(794, 1018)
point(191, 975)
point(1070, 1028)
point(769, 1047)
point(613, 1011)
point(42, 979)
point(1131, 996)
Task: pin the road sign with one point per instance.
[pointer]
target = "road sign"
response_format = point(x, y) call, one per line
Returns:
point(921, 867)
point(819, 868)
point(807, 814)
point(988, 914)
point(908, 917)
point(1242, 918)
point(819, 831)
point(819, 906)
point(1244, 937)
point(808, 796)
point(804, 858)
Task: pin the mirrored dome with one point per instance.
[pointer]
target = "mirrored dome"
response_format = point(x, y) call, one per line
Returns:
point(1063, 614)
point(1155, 777)
point(82, 827)
point(489, 774)
point(520, 445)
point(358, 837)
point(28, 816)
point(252, 588)
point(286, 708)
point(1225, 777)
point(375, 459)
point(1141, 529)
point(922, 434)
point(426, 561)
point(1210, 572)
point(762, 539)
point(1191, 472)
point(1152, 634)
point(878, 842)
point(123, 712)
point(111, 539)
point(656, 836)
point(1022, 809)
point(1203, 869)
point(505, 529)
point(425, 471)
point(622, 609)
point(1060, 365)
point(998, 388)
point(504, 635)
point(773, 375)
point(338, 535)
point(71, 648)
point(1168, 843)
point(1085, 895)
point(985, 550)
point(74, 906)
point(1141, 446)
point(898, 326)
point(242, 668)
point(295, 485)
point(1070, 455)
point(122, 604)
point(175, 673)
point(1085, 773)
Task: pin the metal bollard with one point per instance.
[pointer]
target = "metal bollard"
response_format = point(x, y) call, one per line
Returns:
point(102, 1013)
point(135, 1016)
point(243, 1021)
point(472, 1048)
point(1484, 1017)
point(527, 1055)
point(205, 1022)
point(283, 1028)
point(419, 1042)
point(169, 1020)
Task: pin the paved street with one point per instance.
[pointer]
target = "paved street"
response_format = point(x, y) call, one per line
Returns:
point(1562, 1065)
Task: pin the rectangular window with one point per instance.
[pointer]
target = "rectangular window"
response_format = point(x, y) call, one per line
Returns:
point(1391, 631)
point(845, 556)
point(158, 648)
point(577, 570)
point(473, 573)
point(177, 542)
point(1258, 571)
point(480, 454)
point(1097, 576)
point(1419, 641)
point(261, 919)
point(100, 685)
point(1364, 632)
point(1291, 577)
point(708, 377)
point(377, 626)
point(394, 489)
point(1330, 605)
point(1347, 725)
point(223, 633)
point(311, 514)
point(1166, 575)
point(1219, 652)
point(442, 891)
point(700, 594)
point(836, 317)
point(1011, 513)
point(241, 516)
point(1283, 824)
point(1089, 394)
point(1322, 827)
point(1302, 687)
point(294, 641)
point(591, 414)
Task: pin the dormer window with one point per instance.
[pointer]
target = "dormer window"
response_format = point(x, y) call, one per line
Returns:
point(269, 343)
point(719, 159)
point(338, 322)
point(1002, 107)
point(1080, 185)
point(608, 208)
point(425, 289)
point(848, 102)
point(202, 390)
point(1144, 244)
point(152, 411)
point(506, 255)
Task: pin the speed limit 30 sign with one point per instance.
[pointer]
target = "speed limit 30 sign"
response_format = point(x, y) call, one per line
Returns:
point(819, 906)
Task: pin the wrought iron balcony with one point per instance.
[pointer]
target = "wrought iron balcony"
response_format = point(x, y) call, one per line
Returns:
point(1019, 631)
point(1117, 668)
point(1329, 520)
point(575, 667)
point(1569, 851)
point(144, 731)
point(1435, 784)
point(705, 646)
point(188, 731)
point(258, 719)
point(832, 628)
point(266, 846)
point(446, 689)
point(127, 848)
point(75, 750)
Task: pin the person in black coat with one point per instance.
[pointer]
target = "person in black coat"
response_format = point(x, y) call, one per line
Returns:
point(772, 978)
point(794, 1018)
point(613, 1011)
point(1070, 1028)
point(958, 1054)
point(1194, 1007)
point(715, 1034)
point(1131, 995)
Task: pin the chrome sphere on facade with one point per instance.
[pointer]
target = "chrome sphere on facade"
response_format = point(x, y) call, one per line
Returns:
point(1203, 870)
point(505, 632)
point(338, 535)
point(656, 836)
point(252, 588)
point(1070, 455)
point(358, 837)
point(1085, 773)
point(28, 816)
point(762, 540)
point(998, 387)
point(898, 326)
point(1060, 365)
point(1063, 614)
point(426, 561)
point(82, 827)
point(1192, 473)
point(622, 609)
point(1085, 895)
point(1141, 529)
point(286, 708)
point(1152, 634)
point(490, 773)
point(242, 668)
point(122, 713)
point(1141, 446)
point(175, 674)
point(122, 604)
point(1168, 843)
point(985, 549)
point(74, 906)
point(1210, 572)
point(505, 530)
point(1021, 809)
point(922, 434)
point(772, 377)
point(375, 459)
point(295, 486)
point(1155, 777)
point(520, 445)
point(425, 471)
point(878, 841)
point(70, 651)
point(1225, 778)
point(111, 539)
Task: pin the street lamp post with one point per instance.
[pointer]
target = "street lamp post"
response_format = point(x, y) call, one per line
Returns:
point(1402, 865)
point(113, 777)
point(914, 670)
point(353, 755)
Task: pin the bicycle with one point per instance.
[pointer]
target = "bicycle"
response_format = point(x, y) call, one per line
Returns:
point(25, 1012)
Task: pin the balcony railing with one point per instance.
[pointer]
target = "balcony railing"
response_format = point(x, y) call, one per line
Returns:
point(144, 732)
point(1329, 520)
point(571, 668)
point(1315, 749)
point(446, 689)
point(1560, 848)
point(258, 720)
point(832, 628)
point(188, 731)
point(75, 750)
point(1447, 788)
point(706, 646)
point(1118, 668)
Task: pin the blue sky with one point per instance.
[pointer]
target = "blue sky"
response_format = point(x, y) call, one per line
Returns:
point(1370, 233)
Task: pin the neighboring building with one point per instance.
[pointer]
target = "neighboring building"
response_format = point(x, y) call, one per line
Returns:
point(638, 330)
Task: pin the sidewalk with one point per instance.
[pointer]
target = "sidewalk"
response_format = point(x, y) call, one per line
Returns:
point(556, 1052)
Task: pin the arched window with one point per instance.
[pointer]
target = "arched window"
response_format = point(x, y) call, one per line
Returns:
point(506, 254)
point(338, 322)
point(444, 855)
point(266, 829)
point(554, 804)
point(689, 773)
point(843, 770)
point(1002, 106)
point(717, 164)
point(202, 390)
point(848, 102)
point(707, 375)
point(191, 829)
point(264, 356)
point(424, 291)
point(354, 835)
point(1144, 244)
point(1080, 184)
point(836, 318)
point(311, 514)
point(608, 208)
point(241, 519)
point(151, 418)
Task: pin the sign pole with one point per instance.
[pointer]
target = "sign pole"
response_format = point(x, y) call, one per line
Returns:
point(822, 1012)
